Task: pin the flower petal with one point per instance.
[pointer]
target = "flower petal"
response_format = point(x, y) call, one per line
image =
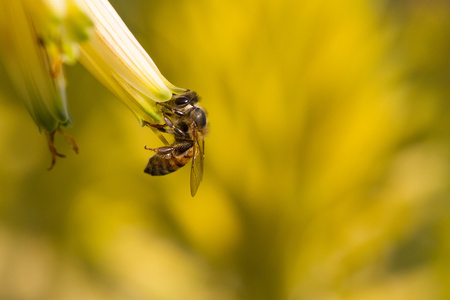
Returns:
point(115, 57)
point(30, 67)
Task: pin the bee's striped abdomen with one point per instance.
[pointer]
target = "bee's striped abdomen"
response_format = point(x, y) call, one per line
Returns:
point(164, 162)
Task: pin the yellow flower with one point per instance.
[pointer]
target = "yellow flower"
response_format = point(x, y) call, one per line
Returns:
point(36, 37)
point(115, 57)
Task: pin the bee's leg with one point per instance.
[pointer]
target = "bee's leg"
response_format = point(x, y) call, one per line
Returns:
point(151, 149)
point(169, 123)
point(183, 147)
point(160, 127)
point(160, 150)
point(157, 126)
point(174, 111)
point(175, 130)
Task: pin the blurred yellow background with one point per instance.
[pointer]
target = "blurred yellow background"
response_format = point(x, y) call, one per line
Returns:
point(326, 172)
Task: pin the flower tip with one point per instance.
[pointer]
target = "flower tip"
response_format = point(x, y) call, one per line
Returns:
point(177, 90)
point(163, 96)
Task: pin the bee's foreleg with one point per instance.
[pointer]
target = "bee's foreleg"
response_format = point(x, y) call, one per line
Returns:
point(157, 126)
point(171, 109)
point(160, 127)
point(168, 123)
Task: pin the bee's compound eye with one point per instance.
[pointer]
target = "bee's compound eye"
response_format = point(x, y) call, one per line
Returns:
point(199, 116)
point(182, 101)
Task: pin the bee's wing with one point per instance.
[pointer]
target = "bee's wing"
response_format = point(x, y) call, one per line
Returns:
point(197, 163)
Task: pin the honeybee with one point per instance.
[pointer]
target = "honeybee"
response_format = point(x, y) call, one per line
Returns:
point(186, 120)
